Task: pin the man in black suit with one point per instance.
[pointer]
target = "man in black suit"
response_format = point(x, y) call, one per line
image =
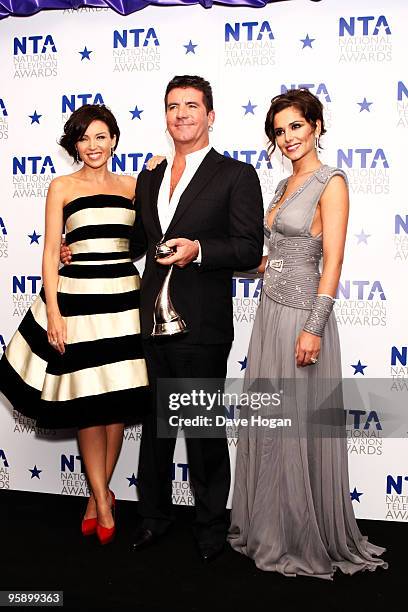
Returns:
point(210, 208)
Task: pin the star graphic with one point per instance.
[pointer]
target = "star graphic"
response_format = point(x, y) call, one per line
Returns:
point(190, 47)
point(132, 480)
point(243, 363)
point(85, 54)
point(249, 108)
point(355, 496)
point(35, 472)
point(362, 237)
point(358, 368)
point(136, 113)
point(364, 105)
point(34, 237)
point(307, 42)
point(35, 118)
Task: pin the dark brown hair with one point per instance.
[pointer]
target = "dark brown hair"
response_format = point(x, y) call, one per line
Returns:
point(196, 82)
point(304, 101)
point(79, 121)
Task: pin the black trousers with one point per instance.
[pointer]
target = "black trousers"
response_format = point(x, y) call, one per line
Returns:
point(208, 458)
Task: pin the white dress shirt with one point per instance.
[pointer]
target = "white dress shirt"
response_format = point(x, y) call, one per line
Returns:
point(166, 206)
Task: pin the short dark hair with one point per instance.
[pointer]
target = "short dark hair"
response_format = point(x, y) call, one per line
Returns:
point(79, 121)
point(196, 82)
point(304, 101)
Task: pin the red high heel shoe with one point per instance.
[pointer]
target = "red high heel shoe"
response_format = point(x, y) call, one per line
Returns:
point(106, 534)
point(88, 526)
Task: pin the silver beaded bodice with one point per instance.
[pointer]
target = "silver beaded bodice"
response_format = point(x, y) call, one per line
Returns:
point(292, 271)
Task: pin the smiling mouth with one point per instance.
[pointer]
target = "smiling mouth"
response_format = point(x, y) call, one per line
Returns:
point(94, 155)
point(294, 147)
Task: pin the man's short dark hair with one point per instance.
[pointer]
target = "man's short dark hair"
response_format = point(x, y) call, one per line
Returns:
point(196, 82)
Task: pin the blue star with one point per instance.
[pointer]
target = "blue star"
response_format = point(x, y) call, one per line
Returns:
point(85, 54)
point(190, 47)
point(243, 363)
point(355, 496)
point(132, 480)
point(362, 237)
point(364, 105)
point(358, 368)
point(35, 472)
point(136, 113)
point(249, 108)
point(35, 118)
point(307, 42)
point(34, 237)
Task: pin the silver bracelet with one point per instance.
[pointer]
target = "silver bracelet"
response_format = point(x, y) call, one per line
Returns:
point(319, 315)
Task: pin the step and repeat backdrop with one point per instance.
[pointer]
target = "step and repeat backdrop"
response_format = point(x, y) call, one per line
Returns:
point(351, 54)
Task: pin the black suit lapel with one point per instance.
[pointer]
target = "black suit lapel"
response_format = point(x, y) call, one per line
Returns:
point(155, 182)
point(205, 172)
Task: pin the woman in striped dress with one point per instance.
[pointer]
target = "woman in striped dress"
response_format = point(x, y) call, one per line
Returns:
point(76, 359)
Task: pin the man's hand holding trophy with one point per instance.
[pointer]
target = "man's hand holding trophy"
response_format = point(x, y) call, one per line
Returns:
point(179, 252)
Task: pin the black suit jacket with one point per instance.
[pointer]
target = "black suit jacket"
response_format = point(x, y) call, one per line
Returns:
point(222, 208)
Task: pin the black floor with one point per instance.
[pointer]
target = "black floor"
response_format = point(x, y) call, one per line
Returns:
point(41, 548)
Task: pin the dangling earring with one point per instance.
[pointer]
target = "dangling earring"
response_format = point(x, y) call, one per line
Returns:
point(317, 143)
point(112, 151)
point(210, 128)
point(283, 165)
point(77, 158)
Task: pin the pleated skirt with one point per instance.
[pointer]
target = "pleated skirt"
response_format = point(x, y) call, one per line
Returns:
point(291, 509)
point(102, 377)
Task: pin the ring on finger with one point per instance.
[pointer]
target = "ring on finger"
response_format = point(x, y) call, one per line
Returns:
point(313, 360)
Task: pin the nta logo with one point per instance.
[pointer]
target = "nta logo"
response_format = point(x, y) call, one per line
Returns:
point(366, 26)
point(3, 108)
point(256, 158)
point(399, 354)
point(4, 458)
point(34, 44)
point(19, 283)
point(34, 164)
point(366, 158)
point(135, 38)
point(320, 88)
point(69, 102)
point(360, 290)
point(248, 30)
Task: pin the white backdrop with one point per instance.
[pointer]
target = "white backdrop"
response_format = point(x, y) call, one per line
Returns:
point(351, 54)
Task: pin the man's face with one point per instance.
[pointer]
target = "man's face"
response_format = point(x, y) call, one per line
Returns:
point(187, 118)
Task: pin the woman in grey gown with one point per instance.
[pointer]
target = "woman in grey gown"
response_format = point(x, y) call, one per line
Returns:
point(291, 509)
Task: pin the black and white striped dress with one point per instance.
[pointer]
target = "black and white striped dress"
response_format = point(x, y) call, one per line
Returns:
point(102, 376)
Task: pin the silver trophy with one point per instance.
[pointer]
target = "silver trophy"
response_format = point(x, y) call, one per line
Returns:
point(167, 322)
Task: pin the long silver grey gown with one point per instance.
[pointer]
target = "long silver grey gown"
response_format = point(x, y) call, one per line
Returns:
point(291, 509)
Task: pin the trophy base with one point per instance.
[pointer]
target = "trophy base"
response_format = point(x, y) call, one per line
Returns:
point(170, 328)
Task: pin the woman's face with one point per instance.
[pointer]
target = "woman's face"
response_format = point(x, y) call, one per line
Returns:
point(94, 148)
point(294, 136)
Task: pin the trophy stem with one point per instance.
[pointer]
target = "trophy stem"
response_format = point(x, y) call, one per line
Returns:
point(167, 321)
